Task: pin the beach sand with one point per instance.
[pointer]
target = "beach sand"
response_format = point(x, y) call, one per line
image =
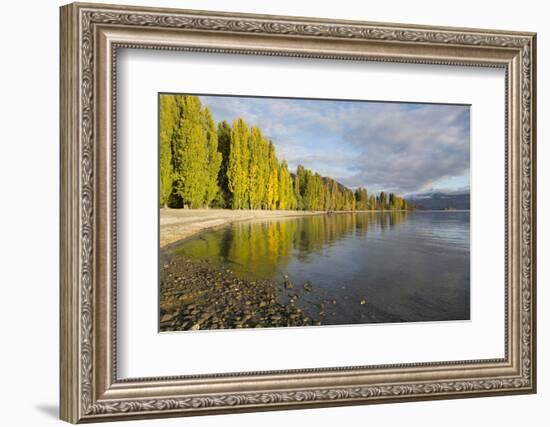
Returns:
point(178, 224)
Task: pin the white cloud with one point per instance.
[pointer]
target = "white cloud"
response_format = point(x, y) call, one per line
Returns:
point(383, 146)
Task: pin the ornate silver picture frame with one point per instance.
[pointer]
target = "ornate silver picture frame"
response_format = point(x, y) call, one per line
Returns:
point(90, 36)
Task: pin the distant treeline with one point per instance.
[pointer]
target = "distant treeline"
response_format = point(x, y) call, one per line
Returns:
point(236, 167)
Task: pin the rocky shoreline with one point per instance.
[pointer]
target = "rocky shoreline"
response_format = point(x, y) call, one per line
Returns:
point(199, 295)
point(206, 295)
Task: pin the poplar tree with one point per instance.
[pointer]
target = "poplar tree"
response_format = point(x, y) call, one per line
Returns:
point(372, 202)
point(257, 182)
point(273, 180)
point(361, 199)
point(237, 171)
point(327, 201)
point(168, 118)
point(191, 155)
point(224, 145)
point(349, 200)
point(214, 158)
point(309, 190)
point(318, 198)
point(333, 195)
point(299, 186)
point(382, 205)
point(287, 196)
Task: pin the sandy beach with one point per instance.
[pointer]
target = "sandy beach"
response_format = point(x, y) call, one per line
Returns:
point(178, 224)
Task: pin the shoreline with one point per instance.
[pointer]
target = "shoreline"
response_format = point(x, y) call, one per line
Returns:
point(179, 224)
point(199, 295)
point(202, 295)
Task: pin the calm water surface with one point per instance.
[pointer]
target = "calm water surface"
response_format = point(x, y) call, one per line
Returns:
point(371, 267)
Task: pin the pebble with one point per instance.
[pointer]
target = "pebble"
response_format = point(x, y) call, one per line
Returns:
point(167, 318)
point(199, 295)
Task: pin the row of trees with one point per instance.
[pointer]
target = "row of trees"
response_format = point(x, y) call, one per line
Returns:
point(235, 166)
point(383, 201)
point(189, 155)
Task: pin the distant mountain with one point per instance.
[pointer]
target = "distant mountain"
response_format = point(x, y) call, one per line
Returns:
point(437, 200)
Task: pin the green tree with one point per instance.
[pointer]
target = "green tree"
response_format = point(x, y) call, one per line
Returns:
point(168, 117)
point(214, 157)
point(224, 146)
point(334, 194)
point(382, 203)
point(273, 180)
point(299, 186)
point(361, 199)
point(318, 196)
point(287, 196)
point(349, 200)
point(372, 202)
point(308, 194)
point(190, 148)
point(237, 171)
point(391, 201)
point(257, 182)
point(327, 196)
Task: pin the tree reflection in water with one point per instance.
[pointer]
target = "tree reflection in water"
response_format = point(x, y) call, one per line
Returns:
point(264, 248)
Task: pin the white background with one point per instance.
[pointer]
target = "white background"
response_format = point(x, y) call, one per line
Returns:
point(145, 353)
point(29, 171)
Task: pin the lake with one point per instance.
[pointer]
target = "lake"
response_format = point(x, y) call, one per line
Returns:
point(362, 267)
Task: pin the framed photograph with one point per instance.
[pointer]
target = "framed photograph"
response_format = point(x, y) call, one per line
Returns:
point(266, 212)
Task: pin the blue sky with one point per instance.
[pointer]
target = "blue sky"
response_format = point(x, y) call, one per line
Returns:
point(395, 147)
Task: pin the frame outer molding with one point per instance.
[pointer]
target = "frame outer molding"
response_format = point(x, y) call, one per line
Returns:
point(89, 388)
point(69, 221)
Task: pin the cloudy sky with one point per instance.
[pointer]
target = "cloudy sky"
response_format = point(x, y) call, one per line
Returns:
point(396, 147)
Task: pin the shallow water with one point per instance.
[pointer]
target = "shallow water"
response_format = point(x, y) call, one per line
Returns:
point(363, 267)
